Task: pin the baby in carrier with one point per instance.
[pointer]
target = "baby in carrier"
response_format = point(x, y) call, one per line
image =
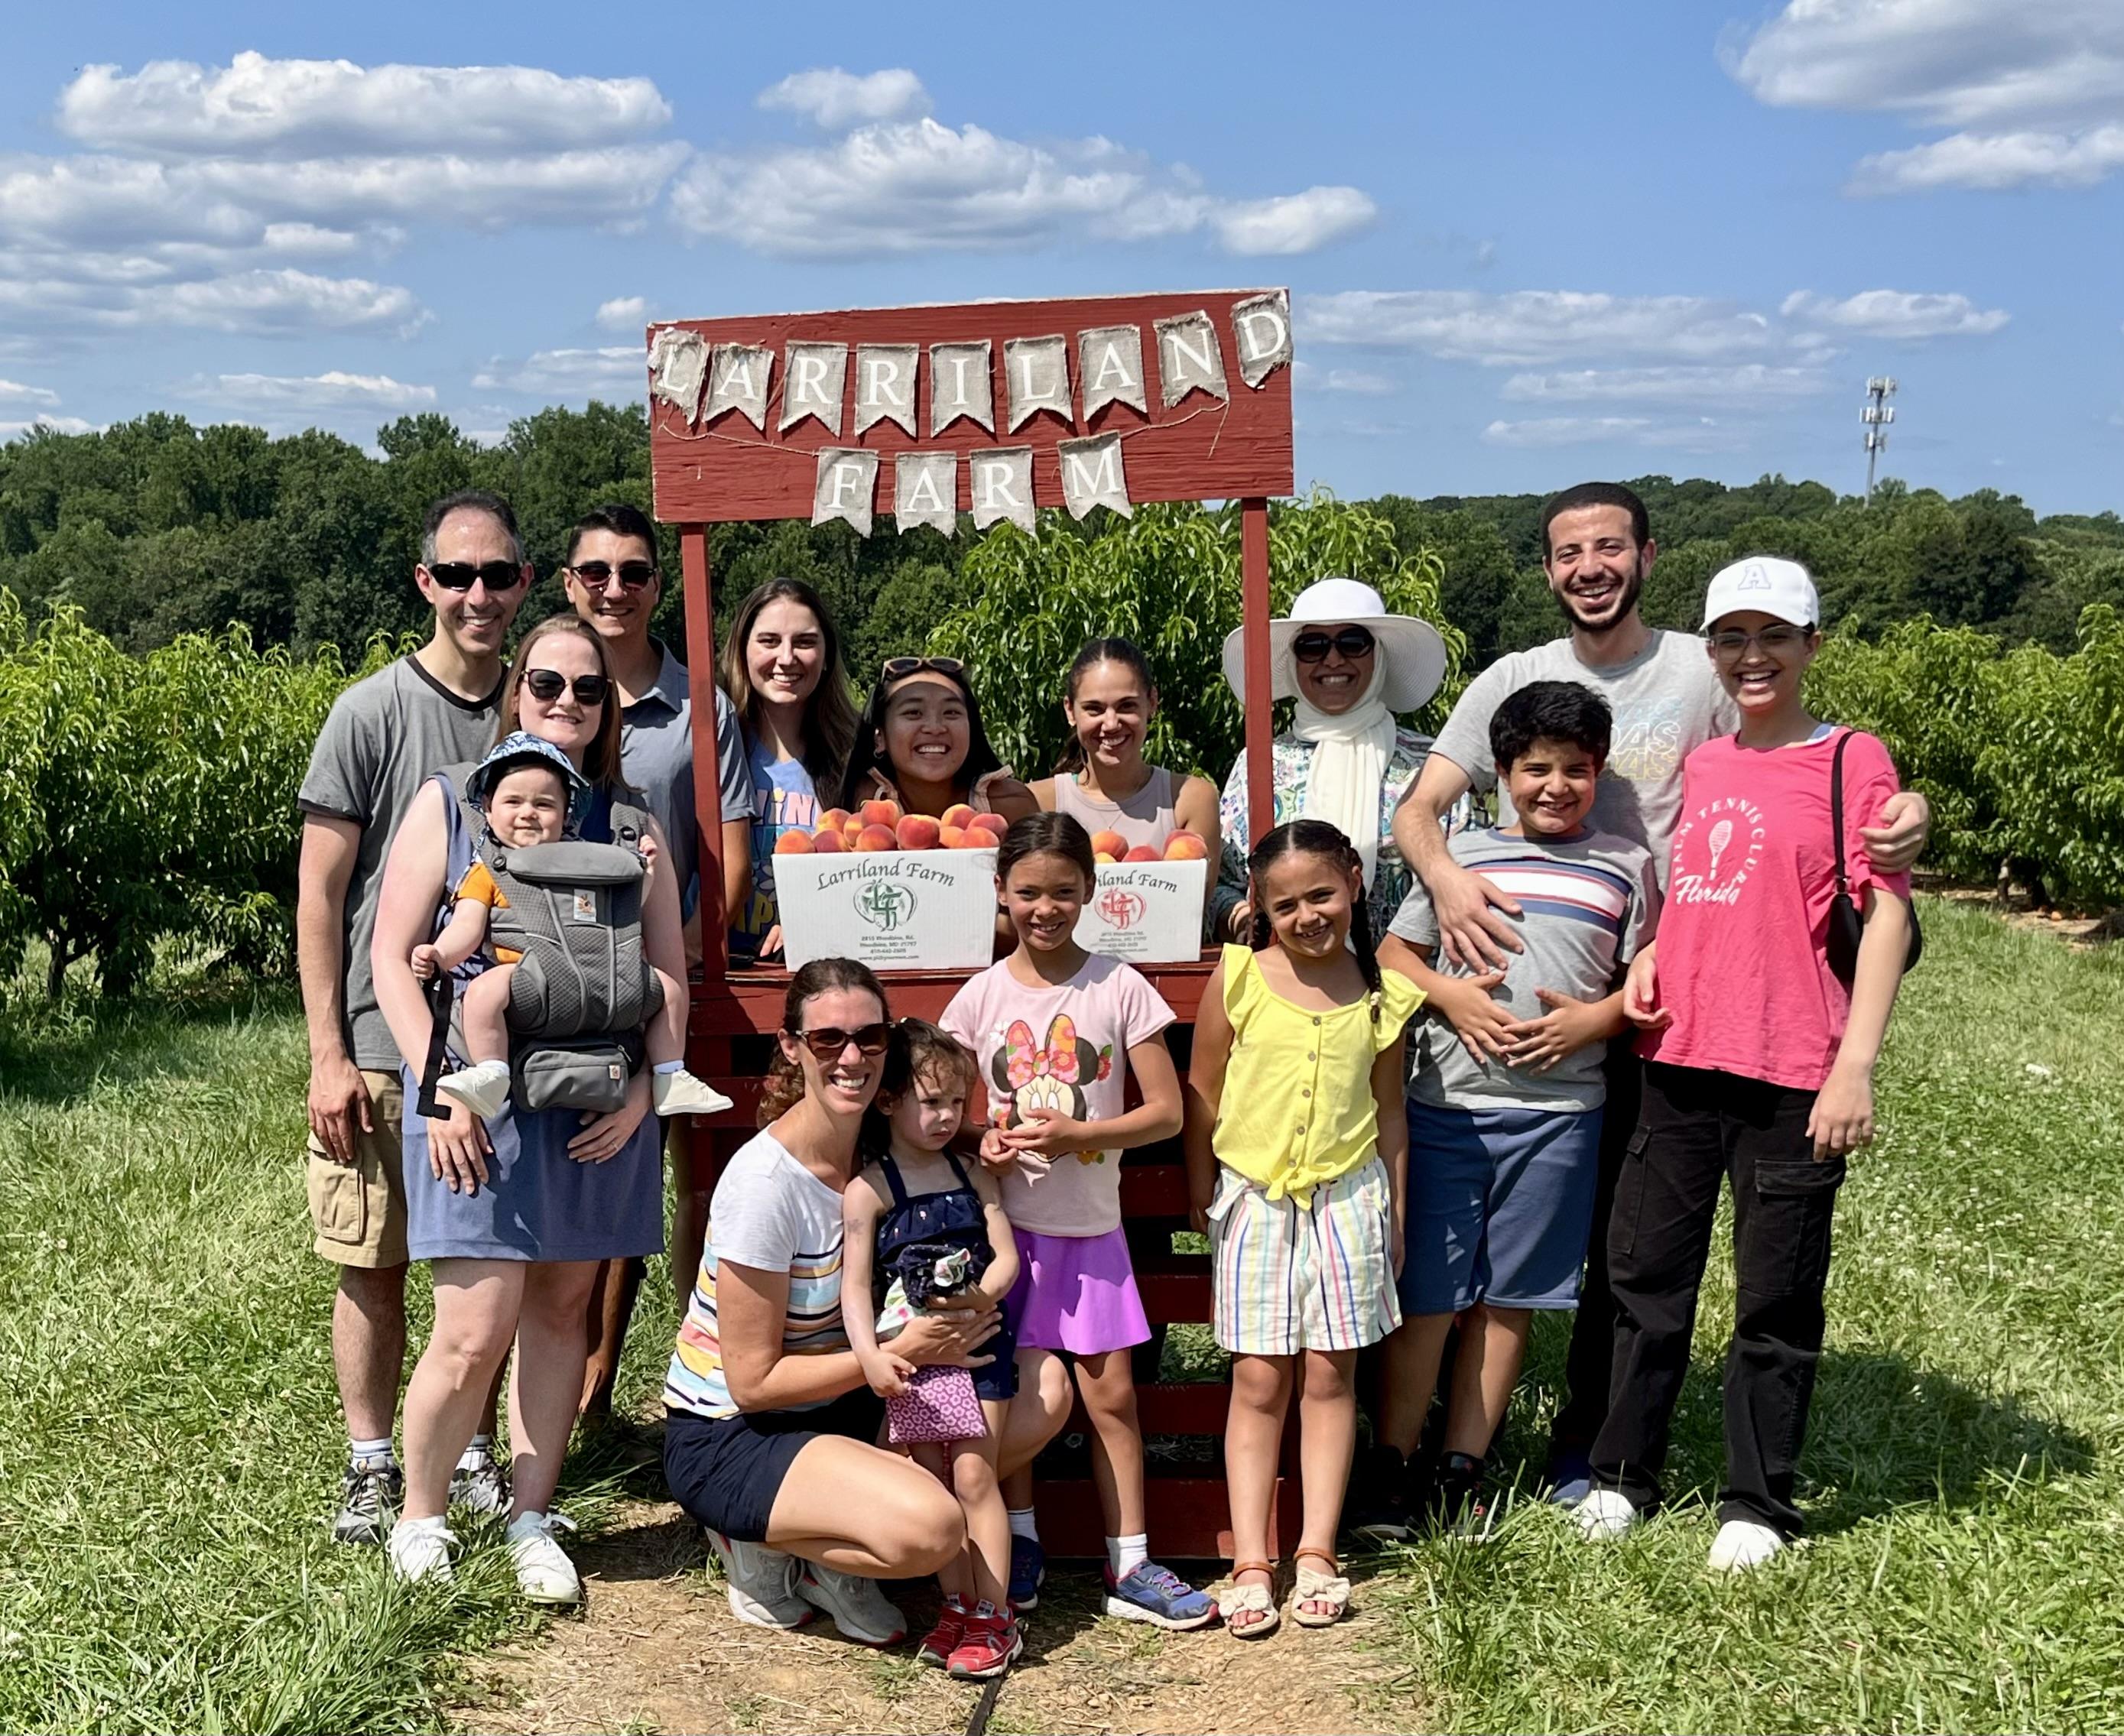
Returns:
point(547, 976)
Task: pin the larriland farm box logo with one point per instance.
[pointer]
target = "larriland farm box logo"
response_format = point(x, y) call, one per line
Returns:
point(1118, 907)
point(885, 905)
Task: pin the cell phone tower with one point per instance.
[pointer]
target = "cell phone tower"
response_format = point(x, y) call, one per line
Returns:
point(1876, 415)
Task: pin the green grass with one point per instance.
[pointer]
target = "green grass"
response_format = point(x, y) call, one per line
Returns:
point(170, 1437)
point(1964, 1474)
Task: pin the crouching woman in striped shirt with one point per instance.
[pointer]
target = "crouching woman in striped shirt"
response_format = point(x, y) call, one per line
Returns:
point(767, 1442)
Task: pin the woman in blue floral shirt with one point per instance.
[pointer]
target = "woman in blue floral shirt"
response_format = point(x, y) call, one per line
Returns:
point(1351, 667)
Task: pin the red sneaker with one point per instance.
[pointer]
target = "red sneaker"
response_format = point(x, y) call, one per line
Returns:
point(943, 1638)
point(990, 1646)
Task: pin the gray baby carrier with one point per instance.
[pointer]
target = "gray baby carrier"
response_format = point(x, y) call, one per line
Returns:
point(584, 988)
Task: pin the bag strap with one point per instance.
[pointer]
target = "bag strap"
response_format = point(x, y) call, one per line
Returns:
point(440, 991)
point(1836, 808)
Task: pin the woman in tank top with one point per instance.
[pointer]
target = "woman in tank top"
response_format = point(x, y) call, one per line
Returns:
point(1102, 780)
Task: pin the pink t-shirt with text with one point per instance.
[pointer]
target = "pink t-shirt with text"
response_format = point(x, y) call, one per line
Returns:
point(1064, 1047)
point(1743, 952)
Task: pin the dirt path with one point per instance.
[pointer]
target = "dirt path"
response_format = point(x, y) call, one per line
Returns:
point(655, 1650)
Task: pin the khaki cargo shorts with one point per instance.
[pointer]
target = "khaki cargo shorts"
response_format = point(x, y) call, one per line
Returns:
point(359, 1209)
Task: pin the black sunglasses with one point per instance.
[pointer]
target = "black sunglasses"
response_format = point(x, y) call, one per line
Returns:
point(828, 1041)
point(548, 685)
point(633, 575)
point(457, 575)
point(1353, 642)
point(898, 668)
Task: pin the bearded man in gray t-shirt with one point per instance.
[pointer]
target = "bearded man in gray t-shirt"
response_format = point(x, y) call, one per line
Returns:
point(1667, 702)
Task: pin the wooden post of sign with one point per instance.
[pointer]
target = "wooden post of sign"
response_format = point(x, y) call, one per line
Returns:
point(707, 772)
point(1254, 608)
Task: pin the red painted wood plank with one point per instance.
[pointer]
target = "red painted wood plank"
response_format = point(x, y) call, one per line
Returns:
point(1198, 449)
point(1189, 1518)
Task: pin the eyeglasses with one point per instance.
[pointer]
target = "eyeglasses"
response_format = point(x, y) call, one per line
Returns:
point(829, 1042)
point(633, 575)
point(458, 575)
point(898, 668)
point(1770, 640)
point(1353, 642)
point(548, 685)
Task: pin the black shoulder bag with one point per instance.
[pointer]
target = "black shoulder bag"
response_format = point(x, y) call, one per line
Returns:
point(1847, 927)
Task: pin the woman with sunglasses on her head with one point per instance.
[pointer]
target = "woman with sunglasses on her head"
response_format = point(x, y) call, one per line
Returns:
point(920, 743)
point(515, 1215)
point(781, 666)
point(770, 1420)
point(1351, 666)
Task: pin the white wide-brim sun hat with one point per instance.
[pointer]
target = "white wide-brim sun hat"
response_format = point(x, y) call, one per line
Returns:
point(1410, 654)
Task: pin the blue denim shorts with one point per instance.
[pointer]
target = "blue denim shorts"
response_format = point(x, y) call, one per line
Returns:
point(1500, 1206)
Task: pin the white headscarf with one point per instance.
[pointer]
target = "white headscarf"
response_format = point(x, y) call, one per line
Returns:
point(1350, 753)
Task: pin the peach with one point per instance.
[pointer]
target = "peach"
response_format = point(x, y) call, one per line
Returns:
point(1102, 860)
point(991, 823)
point(951, 838)
point(957, 815)
point(975, 837)
point(851, 828)
point(829, 844)
point(1109, 844)
point(1186, 847)
point(917, 832)
point(793, 843)
point(833, 819)
point(880, 814)
point(876, 838)
point(1141, 853)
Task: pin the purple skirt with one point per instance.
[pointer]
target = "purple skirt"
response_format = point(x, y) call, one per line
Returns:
point(1076, 1293)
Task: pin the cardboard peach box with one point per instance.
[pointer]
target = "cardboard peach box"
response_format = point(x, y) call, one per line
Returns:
point(891, 909)
point(1147, 912)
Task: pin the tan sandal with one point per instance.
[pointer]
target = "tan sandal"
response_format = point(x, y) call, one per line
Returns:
point(1312, 1586)
point(1258, 1601)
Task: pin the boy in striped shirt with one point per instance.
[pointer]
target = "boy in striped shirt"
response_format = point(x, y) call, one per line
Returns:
point(1506, 1087)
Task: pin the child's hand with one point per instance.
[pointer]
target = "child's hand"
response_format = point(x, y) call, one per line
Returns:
point(1482, 1024)
point(887, 1374)
point(1045, 1132)
point(1842, 1119)
point(1566, 1027)
point(427, 960)
point(1399, 1251)
point(994, 1153)
point(1641, 994)
point(1201, 1195)
point(646, 850)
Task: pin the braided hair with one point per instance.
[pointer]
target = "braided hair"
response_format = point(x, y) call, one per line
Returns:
point(1319, 837)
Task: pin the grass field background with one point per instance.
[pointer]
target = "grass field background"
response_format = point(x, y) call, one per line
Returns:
point(170, 1439)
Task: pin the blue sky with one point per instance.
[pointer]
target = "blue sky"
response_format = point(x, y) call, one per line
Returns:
point(1527, 244)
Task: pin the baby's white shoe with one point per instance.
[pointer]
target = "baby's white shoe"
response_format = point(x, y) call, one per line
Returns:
point(681, 1093)
point(483, 1088)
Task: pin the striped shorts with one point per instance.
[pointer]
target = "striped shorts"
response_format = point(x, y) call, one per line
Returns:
point(1316, 1277)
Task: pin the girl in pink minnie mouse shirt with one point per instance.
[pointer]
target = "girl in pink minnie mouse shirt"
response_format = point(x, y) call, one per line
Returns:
point(1055, 1032)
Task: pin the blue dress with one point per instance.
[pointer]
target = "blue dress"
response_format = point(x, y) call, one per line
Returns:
point(538, 1203)
point(954, 1219)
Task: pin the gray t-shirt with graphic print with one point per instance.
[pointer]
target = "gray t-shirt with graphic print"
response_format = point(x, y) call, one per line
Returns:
point(1667, 703)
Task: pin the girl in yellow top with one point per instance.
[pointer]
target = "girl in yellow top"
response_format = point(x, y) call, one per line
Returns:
point(1301, 1191)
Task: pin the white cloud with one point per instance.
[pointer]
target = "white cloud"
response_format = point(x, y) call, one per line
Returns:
point(50, 424)
point(918, 185)
point(1353, 380)
point(13, 392)
point(834, 98)
point(622, 368)
point(260, 105)
point(1754, 382)
point(251, 301)
point(333, 390)
point(1531, 326)
point(1699, 434)
point(1298, 223)
point(2037, 90)
point(1895, 313)
point(623, 313)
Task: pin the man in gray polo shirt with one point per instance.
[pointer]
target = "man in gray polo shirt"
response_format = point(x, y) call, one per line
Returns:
point(385, 736)
point(1667, 702)
point(613, 582)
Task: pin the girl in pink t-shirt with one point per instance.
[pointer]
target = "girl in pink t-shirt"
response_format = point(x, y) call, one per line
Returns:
point(1055, 1032)
point(1760, 1055)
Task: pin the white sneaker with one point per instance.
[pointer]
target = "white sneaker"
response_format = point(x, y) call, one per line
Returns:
point(419, 1549)
point(544, 1574)
point(683, 1093)
point(1743, 1544)
point(483, 1088)
point(1605, 1514)
point(859, 1609)
point(763, 1584)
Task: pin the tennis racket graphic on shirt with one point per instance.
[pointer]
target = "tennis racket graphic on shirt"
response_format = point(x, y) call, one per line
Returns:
point(1721, 835)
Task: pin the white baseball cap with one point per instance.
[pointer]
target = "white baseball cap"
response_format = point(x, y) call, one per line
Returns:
point(1767, 585)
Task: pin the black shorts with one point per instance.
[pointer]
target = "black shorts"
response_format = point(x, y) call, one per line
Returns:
point(726, 1471)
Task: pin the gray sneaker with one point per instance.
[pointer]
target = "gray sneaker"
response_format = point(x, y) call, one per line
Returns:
point(763, 1584)
point(481, 1486)
point(370, 1496)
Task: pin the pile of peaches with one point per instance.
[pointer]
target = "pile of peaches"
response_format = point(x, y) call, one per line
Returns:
point(1182, 847)
point(880, 825)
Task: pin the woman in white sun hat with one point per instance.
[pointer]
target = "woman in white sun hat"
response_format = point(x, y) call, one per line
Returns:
point(1351, 666)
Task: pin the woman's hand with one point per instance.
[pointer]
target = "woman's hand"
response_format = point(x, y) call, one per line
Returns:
point(1049, 1134)
point(1842, 1119)
point(1641, 993)
point(458, 1150)
point(427, 959)
point(604, 1137)
point(1201, 1195)
point(770, 944)
point(949, 1337)
point(1568, 1026)
point(1482, 1024)
point(1240, 923)
point(887, 1372)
